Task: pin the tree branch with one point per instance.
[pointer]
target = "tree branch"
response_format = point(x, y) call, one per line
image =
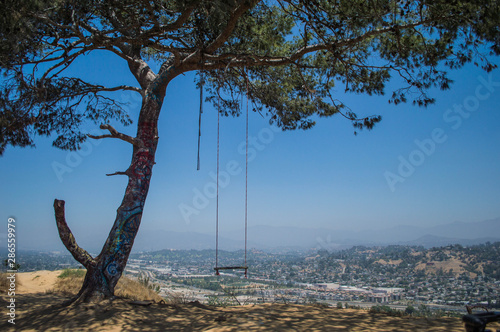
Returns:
point(118, 173)
point(81, 255)
point(231, 24)
point(249, 60)
point(377, 32)
point(115, 134)
point(141, 71)
point(180, 20)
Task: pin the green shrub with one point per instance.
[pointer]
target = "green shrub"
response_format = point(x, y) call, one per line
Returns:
point(144, 281)
point(385, 309)
point(219, 301)
point(410, 310)
point(67, 273)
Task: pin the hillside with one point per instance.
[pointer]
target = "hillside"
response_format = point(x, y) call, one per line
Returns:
point(43, 312)
point(452, 260)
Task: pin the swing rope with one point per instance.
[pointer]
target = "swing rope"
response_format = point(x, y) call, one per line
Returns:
point(245, 267)
point(217, 194)
point(202, 83)
point(246, 176)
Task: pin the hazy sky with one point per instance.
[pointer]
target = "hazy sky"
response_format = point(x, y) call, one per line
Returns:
point(418, 166)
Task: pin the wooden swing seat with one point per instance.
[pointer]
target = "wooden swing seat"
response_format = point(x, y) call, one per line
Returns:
point(231, 268)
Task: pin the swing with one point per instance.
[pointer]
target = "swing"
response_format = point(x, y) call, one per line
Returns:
point(245, 266)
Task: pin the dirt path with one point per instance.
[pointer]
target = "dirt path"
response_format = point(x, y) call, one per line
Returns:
point(36, 282)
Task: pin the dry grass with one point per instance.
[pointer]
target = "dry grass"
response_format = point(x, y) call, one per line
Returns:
point(389, 262)
point(71, 283)
point(5, 283)
point(453, 264)
point(134, 290)
point(67, 286)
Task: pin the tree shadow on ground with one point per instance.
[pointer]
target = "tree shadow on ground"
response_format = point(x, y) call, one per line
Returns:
point(44, 312)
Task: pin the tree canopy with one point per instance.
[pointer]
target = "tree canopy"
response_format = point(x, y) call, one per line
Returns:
point(295, 56)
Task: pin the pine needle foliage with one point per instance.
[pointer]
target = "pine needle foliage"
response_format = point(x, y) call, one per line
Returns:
point(295, 57)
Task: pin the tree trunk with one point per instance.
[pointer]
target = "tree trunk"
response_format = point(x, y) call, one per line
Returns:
point(104, 271)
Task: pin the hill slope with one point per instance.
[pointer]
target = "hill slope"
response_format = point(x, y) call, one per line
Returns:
point(42, 312)
point(38, 311)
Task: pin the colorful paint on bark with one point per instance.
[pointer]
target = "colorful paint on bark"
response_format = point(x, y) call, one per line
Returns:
point(130, 213)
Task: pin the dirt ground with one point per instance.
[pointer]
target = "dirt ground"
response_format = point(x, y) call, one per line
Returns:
point(40, 311)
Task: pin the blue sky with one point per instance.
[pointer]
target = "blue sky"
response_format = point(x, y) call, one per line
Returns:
point(417, 167)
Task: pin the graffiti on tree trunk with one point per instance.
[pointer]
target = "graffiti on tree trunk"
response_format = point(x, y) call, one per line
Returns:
point(130, 212)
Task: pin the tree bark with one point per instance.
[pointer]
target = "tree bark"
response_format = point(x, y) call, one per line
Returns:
point(104, 271)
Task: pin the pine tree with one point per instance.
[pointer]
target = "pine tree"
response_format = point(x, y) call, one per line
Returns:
point(289, 53)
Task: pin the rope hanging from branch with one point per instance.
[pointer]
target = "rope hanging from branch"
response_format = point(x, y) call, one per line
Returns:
point(217, 194)
point(246, 175)
point(202, 83)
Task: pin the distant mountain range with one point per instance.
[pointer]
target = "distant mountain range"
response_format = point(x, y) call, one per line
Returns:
point(295, 238)
point(271, 237)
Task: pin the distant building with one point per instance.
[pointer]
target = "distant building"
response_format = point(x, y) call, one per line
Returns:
point(379, 298)
point(384, 295)
point(329, 286)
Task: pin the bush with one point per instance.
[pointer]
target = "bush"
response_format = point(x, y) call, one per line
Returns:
point(339, 305)
point(219, 301)
point(410, 310)
point(5, 283)
point(385, 309)
point(72, 273)
point(144, 281)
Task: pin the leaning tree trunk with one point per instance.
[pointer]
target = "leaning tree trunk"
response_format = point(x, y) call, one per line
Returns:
point(104, 271)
